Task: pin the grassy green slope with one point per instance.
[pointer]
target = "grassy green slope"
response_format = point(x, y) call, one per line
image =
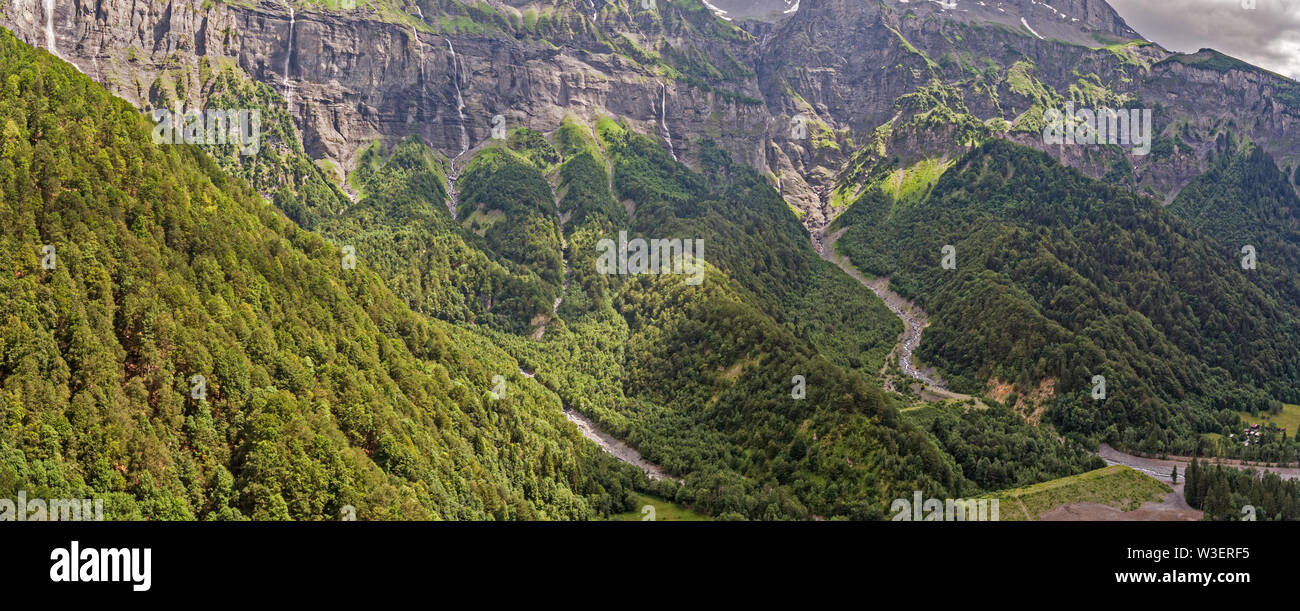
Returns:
point(1115, 486)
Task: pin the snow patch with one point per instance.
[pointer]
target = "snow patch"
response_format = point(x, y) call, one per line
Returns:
point(1031, 30)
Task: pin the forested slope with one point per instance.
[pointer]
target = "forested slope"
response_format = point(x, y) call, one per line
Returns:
point(402, 227)
point(700, 377)
point(1245, 203)
point(322, 389)
point(697, 377)
point(1059, 278)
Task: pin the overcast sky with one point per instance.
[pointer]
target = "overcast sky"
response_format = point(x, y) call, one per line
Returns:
point(1268, 36)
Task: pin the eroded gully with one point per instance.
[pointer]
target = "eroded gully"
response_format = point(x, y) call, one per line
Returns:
point(914, 318)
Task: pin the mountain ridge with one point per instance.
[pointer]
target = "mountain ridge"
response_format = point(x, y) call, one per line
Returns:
point(613, 59)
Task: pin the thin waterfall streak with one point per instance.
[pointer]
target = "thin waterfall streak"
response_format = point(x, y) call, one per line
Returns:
point(460, 100)
point(288, 55)
point(663, 118)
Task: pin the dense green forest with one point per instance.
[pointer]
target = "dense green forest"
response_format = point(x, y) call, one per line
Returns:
point(1244, 199)
point(401, 226)
point(320, 387)
point(1227, 493)
point(1070, 278)
point(1246, 205)
point(703, 374)
point(698, 378)
point(325, 384)
point(996, 449)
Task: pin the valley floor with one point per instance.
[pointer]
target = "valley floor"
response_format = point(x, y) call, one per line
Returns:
point(1161, 468)
point(913, 317)
point(662, 511)
point(614, 446)
point(1111, 493)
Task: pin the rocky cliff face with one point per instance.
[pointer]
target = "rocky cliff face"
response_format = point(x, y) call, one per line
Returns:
point(443, 70)
point(349, 77)
point(850, 64)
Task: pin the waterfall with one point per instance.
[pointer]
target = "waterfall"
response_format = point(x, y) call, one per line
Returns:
point(287, 56)
point(49, 28)
point(415, 39)
point(460, 101)
point(452, 173)
point(452, 202)
point(663, 118)
point(564, 252)
point(51, 44)
point(424, 85)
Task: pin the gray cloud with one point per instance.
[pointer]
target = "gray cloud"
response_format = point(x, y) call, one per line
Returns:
point(1267, 36)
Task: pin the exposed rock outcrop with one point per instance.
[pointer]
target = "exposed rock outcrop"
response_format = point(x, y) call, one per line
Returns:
point(410, 68)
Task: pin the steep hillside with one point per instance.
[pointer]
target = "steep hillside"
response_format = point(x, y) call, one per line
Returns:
point(133, 269)
point(401, 224)
point(1246, 200)
point(438, 185)
point(1073, 278)
point(696, 369)
point(321, 389)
